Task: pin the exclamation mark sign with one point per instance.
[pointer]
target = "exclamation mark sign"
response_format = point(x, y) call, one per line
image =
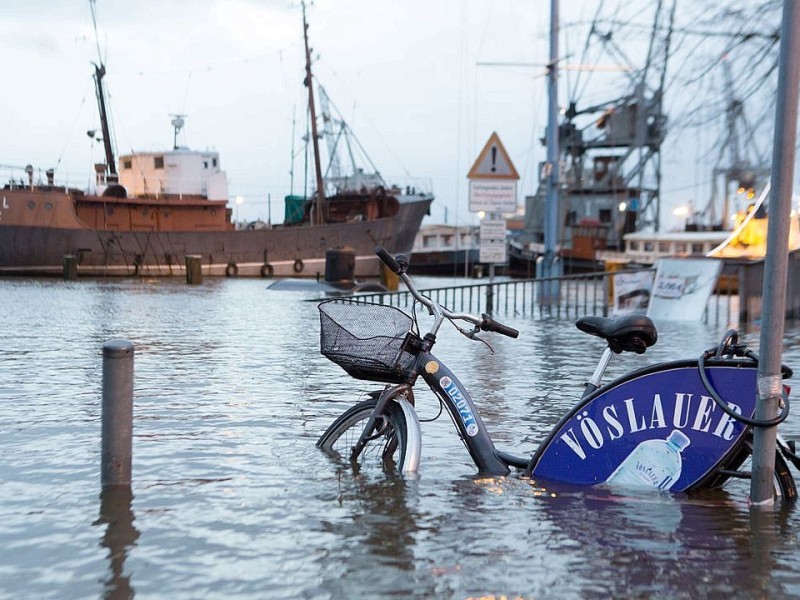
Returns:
point(494, 159)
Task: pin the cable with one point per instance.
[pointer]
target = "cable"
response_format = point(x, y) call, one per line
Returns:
point(701, 365)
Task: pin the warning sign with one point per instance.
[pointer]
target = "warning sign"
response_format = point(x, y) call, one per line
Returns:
point(493, 162)
point(493, 180)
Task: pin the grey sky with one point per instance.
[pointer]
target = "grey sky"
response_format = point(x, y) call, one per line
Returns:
point(404, 74)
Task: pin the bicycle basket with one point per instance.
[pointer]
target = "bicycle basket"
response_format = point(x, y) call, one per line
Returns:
point(366, 339)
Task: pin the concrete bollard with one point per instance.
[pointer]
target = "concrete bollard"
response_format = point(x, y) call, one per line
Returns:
point(194, 272)
point(69, 263)
point(115, 468)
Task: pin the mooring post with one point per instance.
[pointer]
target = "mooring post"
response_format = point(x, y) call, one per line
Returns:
point(194, 272)
point(69, 263)
point(115, 468)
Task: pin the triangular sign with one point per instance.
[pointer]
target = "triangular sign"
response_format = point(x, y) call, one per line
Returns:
point(493, 162)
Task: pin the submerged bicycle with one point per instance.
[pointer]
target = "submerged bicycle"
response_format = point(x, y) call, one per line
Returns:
point(676, 426)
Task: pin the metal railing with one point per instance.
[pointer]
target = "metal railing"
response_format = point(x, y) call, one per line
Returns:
point(577, 295)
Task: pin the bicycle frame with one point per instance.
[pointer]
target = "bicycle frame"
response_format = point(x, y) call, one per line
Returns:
point(464, 413)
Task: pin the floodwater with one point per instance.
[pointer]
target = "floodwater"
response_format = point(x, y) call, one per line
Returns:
point(231, 499)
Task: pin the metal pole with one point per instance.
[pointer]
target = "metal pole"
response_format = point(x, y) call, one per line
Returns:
point(777, 258)
point(490, 292)
point(547, 266)
point(117, 437)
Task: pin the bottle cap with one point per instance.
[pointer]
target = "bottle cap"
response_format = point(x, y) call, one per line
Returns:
point(678, 439)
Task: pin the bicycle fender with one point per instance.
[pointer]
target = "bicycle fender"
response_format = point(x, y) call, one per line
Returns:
point(413, 437)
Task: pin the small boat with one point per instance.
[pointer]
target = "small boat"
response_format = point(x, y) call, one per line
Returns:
point(446, 250)
point(161, 207)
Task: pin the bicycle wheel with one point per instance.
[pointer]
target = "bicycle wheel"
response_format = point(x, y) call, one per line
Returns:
point(386, 445)
point(783, 482)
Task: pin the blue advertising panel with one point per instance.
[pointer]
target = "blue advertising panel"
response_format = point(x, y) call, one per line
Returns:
point(661, 429)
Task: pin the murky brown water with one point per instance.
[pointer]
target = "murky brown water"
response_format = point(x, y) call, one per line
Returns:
point(231, 499)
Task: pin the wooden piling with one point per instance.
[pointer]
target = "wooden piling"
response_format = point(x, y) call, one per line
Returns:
point(69, 262)
point(194, 272)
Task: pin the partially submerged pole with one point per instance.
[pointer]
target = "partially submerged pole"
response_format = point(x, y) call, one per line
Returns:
point(777, 257)
point(117, 415)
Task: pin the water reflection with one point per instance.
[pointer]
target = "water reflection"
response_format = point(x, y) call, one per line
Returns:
point(119, 537)
point(668, 545)
point(376, 535)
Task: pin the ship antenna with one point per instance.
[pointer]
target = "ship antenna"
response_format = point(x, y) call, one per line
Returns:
point(178, 121)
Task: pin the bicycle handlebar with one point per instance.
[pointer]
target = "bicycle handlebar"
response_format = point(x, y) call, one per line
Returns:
point(490, 324)
point(388, 260)
point(439, 312)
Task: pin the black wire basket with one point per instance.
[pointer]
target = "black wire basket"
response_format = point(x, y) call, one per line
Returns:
point(366, 339)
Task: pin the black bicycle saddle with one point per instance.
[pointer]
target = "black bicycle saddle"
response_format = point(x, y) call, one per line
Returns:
point(629, 333)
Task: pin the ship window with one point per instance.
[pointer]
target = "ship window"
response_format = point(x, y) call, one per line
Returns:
point(633, 246)
point(31, 204)
point(428, 241)
point(572, 218)
point(697, 248)
point(214, 162)
point(680, 248)
point(663, 246)
point(205, 164)
point(648, 246)
point(48, 206)
point(605, 215)
point(126, 164)
point(158, 162)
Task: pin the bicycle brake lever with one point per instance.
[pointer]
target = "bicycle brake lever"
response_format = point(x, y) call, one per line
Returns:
point(469, 334)
point(473, 335)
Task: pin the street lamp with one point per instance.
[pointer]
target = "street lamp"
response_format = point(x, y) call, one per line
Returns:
point(238, 201)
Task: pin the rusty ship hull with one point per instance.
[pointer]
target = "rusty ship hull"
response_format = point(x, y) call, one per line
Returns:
point(40, 227)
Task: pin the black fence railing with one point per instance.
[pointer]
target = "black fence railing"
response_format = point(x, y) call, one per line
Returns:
point(570, 296)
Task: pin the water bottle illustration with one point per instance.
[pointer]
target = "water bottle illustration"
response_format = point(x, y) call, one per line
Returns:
point(653, 463)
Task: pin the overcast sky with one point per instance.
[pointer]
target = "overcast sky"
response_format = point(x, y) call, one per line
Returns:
point(404, 73)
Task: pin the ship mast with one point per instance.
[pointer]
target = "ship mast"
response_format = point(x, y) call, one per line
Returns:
point(99, 73)
point(319, 200)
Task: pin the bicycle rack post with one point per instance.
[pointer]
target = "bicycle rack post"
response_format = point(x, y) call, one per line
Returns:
point(117, 417)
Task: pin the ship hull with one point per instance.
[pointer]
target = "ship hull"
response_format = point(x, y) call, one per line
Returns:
point(297, 251)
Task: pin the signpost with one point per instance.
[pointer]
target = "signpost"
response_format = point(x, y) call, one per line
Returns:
point(493, 191)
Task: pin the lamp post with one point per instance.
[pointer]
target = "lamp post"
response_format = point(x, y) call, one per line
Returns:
point(239, 200)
